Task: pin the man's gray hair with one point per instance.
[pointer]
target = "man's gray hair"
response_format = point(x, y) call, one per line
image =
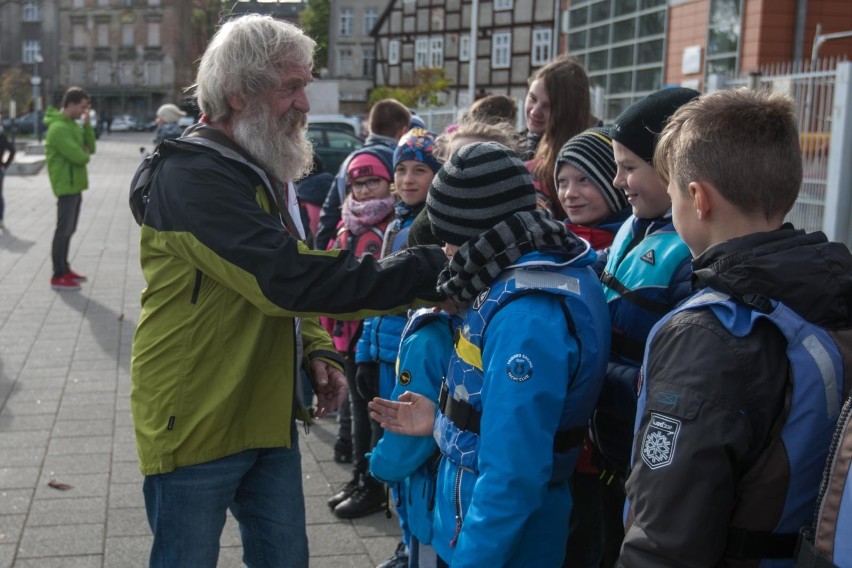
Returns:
point(245, 58)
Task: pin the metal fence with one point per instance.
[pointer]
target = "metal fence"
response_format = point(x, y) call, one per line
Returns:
point(812, 86)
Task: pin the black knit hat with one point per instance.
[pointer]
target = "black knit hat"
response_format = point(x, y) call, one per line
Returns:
point(480, 185)
point(591, 152)
point(639, 126)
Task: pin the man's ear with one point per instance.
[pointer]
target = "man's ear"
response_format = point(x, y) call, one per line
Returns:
point(236, 103)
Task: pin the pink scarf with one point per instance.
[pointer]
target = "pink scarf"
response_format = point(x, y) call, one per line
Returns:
point(358, 216)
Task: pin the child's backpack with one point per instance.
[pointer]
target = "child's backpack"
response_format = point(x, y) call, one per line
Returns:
point(823, 544)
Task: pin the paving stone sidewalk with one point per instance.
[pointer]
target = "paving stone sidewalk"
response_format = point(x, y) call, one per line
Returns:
point(65, 387)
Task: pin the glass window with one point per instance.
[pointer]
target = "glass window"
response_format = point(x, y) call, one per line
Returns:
point(577, 41)
point(31, 51)
point(600, 11)
point(598, 61)
point(103, 73)
point(153, 34)
point(79, 3)
point(622, 56)
point(541, 46)
point(421, 53)
point(621, 82)
point(436, 52)
point(78, 35)
point(30, 12)
point(649, 79)
point(77, 72)
point(624, 30)
point(103, 2)
point(652, 24)
point(623, 7)
point(393, 52)
point(599, 36)
point(371, 16)
point(501, 50)
point(502, 4)
point(153, 2)
point(579, 17)
point(724, 65)
point(615, 107)
point(127, 39)
point(368, 61)
point(464, 48)
point(125, 76)
point(154, 73)
point(346, 17)
point(342, 141)
point(652, 3)
point(103, 35)
point(344, 61)
point(651, 52)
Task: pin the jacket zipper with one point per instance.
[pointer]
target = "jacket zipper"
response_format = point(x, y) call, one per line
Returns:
point(457, 503)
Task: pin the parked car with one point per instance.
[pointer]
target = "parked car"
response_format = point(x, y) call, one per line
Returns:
point(123, 123)
point(347, 123)
point(332, 145)
point(25, 124)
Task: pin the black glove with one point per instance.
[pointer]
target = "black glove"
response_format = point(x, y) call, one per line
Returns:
point(431, 261)
point(367, 380)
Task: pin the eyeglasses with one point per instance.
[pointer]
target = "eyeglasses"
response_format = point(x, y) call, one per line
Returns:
point(369, 183)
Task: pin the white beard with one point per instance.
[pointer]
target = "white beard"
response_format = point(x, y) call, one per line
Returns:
point(279, 145)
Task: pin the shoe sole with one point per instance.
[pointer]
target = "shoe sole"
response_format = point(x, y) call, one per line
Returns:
point(365, 513)
point(55, 287)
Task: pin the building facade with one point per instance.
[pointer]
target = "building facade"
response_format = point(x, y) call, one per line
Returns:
point(352, 51)
point(513, 38)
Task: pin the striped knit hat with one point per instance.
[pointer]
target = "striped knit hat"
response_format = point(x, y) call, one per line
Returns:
point(480, 185)
point(591, 152)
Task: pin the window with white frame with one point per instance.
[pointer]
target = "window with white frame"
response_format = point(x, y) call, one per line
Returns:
point(421, 53)
point(77, 72)
point(502, 4)
point(153, 34)
point(368, 61)
point(464, 48)
point(541, 46)
point(30, 13)
point(78, 35)
point(346, 17)
point(153, 73)
point(393, 52)
point(345, 61)
point(127, 35)
point(436, 52)
point(31, 50)
point(102, 31)
point(371, 16)
point(501, 50)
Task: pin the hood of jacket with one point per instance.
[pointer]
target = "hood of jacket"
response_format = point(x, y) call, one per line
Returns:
point(809, 274)
point(53, 114)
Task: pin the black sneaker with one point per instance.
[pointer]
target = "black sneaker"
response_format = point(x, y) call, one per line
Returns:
point(343, 493)
point(343, 451)
point(368, 498)
point(399, 558)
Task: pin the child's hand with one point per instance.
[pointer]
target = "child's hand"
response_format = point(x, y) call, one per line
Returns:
point(413, 415)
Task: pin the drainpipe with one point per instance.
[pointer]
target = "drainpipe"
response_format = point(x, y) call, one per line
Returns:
point(799, 29)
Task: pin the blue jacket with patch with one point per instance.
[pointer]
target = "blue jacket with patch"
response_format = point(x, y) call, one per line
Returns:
point(741, 388)
point(528, 362)
point(647, 273)
point(410, 461)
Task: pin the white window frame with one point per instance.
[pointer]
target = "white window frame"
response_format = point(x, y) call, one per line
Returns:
point(29, 50)
point(541, 46)
point(153, 34)
point(345, 19)
point(31, 12)
point(502, 5)
point(501, 50)
point(371, 16)
point(368, 61)
point(349, 57)
point(464, 47)
point(421, 52)
point(393, 52)
point(436, 51)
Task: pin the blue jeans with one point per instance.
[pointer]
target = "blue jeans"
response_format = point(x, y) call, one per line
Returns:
point(262, 488)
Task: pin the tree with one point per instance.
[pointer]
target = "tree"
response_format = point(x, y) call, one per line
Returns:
point(315, 19)
point(15, 86)
point(428, 83)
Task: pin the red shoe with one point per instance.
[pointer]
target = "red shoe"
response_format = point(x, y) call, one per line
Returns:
point(64, 282)
point(74, 276)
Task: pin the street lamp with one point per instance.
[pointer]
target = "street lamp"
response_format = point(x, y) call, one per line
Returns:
point(36, 82)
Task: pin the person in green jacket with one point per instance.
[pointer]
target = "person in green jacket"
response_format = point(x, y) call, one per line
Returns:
point(68, 147)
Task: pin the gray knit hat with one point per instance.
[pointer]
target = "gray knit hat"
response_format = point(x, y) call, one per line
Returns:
point(480, 185)
point(591, 152)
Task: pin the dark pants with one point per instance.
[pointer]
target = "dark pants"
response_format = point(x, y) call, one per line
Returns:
point(67, 213)
point(365, 431)
point(2, 204)
point(585, 531)
point(613, 497)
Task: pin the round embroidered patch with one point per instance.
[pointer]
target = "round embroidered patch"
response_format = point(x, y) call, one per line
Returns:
point(519, 367)
point(404, 378)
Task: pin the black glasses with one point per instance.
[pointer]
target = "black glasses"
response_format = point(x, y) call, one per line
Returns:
point(369, 183)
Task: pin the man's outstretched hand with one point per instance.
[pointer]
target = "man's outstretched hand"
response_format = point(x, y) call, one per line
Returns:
point(413, 415)
point(329, 384)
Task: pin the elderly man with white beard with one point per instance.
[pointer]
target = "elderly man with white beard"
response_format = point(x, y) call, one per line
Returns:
point(229, 313)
